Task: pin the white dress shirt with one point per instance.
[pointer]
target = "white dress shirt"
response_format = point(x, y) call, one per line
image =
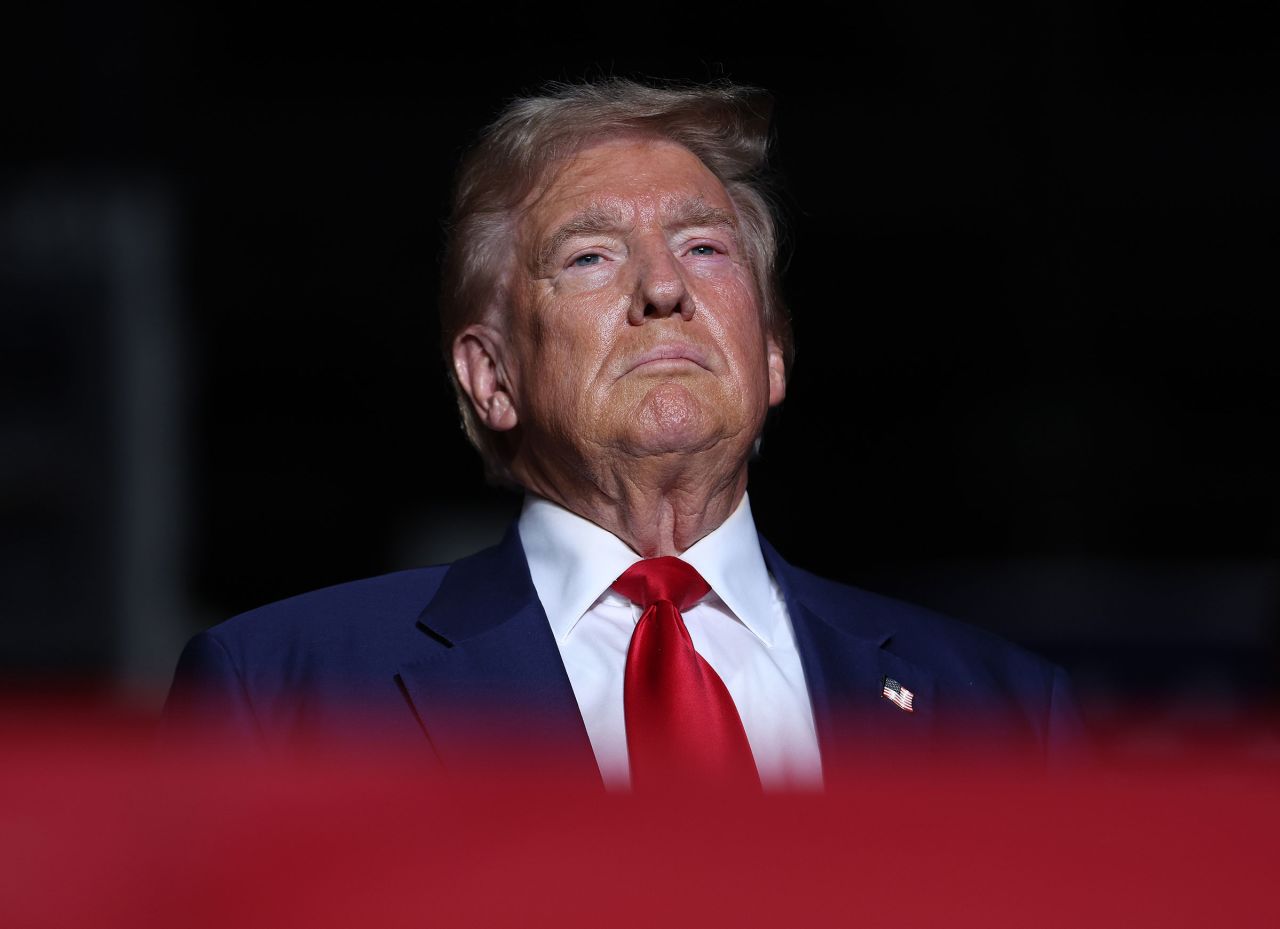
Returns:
point(741, 628)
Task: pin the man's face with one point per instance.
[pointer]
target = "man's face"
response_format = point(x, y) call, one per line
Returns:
point(634, 326)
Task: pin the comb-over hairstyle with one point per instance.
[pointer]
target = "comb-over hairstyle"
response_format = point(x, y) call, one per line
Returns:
point(724, 125)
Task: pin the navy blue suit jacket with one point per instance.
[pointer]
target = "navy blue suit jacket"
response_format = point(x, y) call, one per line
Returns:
point(460, 662)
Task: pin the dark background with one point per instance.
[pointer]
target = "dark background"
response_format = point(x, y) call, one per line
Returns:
point(1031, 276)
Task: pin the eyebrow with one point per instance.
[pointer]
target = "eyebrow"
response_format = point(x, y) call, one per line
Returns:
point(695, 211)
point(600, 220)
point(594, 220)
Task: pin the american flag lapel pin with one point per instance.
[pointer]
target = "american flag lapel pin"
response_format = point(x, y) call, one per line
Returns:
point(898, 695)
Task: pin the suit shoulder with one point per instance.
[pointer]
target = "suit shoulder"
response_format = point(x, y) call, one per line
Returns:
point(313, 659)
point(975, 677)
point(916, 632)
point(367, 608)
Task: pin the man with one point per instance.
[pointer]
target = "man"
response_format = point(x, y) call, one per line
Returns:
point(613, 324)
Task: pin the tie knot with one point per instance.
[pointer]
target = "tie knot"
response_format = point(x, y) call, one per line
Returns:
point(665, 578)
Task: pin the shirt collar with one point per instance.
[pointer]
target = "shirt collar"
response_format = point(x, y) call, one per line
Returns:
point(729, 559)
point(572, 562)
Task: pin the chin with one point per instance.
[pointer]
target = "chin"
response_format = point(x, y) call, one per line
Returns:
point(669, 407)
point(671, 419)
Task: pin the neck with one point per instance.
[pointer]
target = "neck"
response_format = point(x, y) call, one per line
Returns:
point(658, 506)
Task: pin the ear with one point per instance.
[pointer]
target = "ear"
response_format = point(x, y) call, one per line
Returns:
point(479, 363)
point(777, 373)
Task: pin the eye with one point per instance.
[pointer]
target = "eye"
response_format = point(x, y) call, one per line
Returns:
point(586, 261)
point(703, 251)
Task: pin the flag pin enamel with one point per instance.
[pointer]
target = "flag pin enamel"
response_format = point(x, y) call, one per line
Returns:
point(898, 695)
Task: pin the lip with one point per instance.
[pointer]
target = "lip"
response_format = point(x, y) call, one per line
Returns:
point(670, 352)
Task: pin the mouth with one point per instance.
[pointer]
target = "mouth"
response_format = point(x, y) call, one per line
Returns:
point(671, 356)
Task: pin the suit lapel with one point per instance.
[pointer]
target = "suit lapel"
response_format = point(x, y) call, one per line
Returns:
point(845, 648)
point(489, 686)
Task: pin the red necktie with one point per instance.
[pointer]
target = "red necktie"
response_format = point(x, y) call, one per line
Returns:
point(682, 725)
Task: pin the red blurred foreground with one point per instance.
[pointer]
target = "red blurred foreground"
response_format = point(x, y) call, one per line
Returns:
point(97, 829)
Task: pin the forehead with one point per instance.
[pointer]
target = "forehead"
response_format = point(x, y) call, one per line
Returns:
point(634, 177)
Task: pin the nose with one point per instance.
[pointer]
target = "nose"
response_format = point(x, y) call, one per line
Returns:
point(660, 287)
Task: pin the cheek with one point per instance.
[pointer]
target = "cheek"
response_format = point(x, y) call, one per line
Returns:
point(569, 337)
point(577, 331)
point(741, 326)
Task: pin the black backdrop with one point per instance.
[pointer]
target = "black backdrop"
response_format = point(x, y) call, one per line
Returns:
point(1031, 267)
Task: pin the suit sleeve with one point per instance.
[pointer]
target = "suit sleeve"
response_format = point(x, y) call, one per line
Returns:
point(208, 699)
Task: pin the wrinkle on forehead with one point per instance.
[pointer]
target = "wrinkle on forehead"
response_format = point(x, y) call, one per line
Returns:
point(552, 172)
point(679, 208)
